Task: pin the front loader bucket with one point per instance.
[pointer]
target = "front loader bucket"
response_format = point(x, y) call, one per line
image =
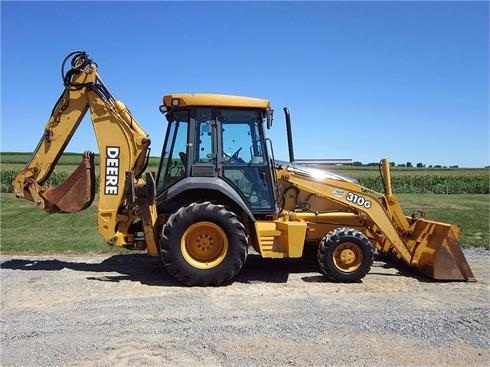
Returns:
point(76, 193)
point(437, 253)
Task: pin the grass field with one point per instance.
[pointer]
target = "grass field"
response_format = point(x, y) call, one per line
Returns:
point(471, 212)
point(67, 163)
point(27, 229)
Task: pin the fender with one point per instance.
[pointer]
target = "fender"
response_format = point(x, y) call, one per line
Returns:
point(203, 184)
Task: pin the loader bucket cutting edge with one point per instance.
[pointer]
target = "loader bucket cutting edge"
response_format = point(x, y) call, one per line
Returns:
point(439, 255)
point(77, 192)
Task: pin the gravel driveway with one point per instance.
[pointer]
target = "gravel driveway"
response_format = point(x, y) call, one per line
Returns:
point(125, 310)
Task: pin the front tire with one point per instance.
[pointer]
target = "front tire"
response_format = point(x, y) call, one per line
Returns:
point(203, 244)
point(345, 255)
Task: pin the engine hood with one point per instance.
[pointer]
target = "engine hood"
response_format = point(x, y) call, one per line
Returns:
point(313, 173)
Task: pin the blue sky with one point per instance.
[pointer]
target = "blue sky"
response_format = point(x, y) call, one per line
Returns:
point(363, 80)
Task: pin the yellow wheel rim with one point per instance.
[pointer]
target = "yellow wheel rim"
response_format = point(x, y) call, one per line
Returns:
point(348, 257)
point(204, 245)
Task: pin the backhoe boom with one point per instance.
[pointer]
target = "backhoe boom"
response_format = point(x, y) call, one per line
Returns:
point(123, 147)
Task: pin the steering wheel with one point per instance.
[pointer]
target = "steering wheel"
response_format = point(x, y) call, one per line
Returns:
point(234, 156)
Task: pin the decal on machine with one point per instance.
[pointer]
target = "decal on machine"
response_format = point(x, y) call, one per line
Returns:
point(359, 200)
point(338, 192)
point(111, 171)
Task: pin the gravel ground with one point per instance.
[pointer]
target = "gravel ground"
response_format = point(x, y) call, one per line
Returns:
point(125, 310)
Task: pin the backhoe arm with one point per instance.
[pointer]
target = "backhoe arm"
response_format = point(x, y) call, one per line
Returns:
point(65, 118)
point(123, 147)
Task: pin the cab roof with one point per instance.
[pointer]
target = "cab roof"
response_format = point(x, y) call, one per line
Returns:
point(213, 100)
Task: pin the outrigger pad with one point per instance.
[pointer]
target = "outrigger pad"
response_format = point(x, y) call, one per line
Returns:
point(77, 192)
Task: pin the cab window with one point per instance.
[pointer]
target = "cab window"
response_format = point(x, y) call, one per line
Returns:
point(173, 166)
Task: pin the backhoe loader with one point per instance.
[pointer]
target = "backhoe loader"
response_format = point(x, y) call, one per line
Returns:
point(219, 192)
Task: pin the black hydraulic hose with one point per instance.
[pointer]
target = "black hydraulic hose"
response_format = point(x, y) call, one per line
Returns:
point(145, 166)
point(67, 76)
point(79, 60)
point(284, 196)
point(103, 91)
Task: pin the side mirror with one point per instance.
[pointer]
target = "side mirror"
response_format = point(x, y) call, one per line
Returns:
point(163, 109)
point(269, 113)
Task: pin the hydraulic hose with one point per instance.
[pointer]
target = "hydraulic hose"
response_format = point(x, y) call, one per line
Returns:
point(79, 60)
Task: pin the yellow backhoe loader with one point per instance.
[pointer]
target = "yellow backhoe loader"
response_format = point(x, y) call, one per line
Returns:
point(219, 191)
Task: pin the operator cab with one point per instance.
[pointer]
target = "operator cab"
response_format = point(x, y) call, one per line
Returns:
point(218, 141)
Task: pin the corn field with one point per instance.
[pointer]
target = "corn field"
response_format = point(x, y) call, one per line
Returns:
point(432, 184)
point(403, 184)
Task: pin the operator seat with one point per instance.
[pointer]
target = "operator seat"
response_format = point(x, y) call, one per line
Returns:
point(257, 160)
point(183, 158)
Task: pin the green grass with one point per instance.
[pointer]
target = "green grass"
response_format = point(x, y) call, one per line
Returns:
point(471, 212)
point(27, 229)
point(21, 159)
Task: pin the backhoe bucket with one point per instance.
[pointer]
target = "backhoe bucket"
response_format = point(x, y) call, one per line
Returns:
point(437, 253)
point(76, 193)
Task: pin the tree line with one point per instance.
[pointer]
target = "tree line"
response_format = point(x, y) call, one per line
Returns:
point(406, 165)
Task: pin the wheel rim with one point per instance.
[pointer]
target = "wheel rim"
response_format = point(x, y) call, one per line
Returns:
point(204, 245)
point(348, 257)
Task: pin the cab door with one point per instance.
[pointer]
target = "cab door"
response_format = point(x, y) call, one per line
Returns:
point(243, 159)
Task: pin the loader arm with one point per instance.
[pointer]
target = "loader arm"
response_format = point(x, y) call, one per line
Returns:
point(348, 194)
point(123, 146)
point(430, 247)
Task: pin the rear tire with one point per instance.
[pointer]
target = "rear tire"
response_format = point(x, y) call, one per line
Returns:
point(345, 255)
point(203, 244)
